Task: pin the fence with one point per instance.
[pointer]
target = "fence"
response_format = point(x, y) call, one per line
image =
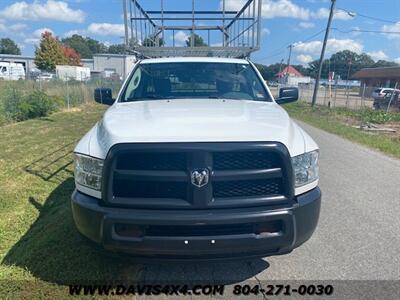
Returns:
point(68, 94)
point(351, 97)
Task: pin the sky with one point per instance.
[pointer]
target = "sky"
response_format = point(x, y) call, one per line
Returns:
point(300, 23)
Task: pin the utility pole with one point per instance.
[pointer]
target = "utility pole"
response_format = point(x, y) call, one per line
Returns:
point(288, 62)
point(193, 23)
point(280, 70)
point(321, 60)
point(347, 82)
point(125, 7)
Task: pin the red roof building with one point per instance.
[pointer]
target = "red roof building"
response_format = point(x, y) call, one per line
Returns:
point(291, 71)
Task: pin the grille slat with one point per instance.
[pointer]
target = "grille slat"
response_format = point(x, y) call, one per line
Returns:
point(149, 189)
point(152, 161)
point(245, 160)
point(227, 189)
point(239, 177)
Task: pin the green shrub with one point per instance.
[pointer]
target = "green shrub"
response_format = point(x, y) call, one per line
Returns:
point(12, 99)
point(3, 118)
point(36, 104)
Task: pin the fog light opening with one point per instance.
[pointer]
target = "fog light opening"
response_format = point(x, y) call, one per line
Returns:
point(129, 230)
point(273, 228)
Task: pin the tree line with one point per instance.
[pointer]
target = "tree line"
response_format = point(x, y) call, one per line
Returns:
point(343, 63)
point(52, 51)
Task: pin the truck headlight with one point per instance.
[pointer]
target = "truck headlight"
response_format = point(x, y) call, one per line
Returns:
point(305, 167)
point(88, 171)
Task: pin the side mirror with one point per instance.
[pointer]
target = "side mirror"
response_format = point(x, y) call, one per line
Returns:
point(287, 95)
point(103, 96)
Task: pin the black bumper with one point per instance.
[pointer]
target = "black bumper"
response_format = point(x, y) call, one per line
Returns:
point(295, 226)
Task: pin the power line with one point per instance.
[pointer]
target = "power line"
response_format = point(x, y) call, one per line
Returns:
point(366, 31)
point(313, 36)
point(278, 51)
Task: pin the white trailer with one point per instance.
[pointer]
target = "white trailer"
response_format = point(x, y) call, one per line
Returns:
point(78, 73)
point(295, 81)
point(11, 71)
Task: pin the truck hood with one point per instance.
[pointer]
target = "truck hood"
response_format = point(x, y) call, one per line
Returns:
point(195, 120)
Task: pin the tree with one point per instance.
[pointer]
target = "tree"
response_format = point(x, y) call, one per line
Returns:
point(150, 41)
point(302, 69)
point(96, 46)
point(120, 48)
point(79, 44)
point(343, 63)
point(49, 53)
point(117, 49)
point(269, 72)
point(73, 58)
point(8, 46)
point(385, 63)
point(84, 46)
point(198, 41)
point(312, 69)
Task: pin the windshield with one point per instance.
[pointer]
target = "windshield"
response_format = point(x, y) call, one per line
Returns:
point(194, 80)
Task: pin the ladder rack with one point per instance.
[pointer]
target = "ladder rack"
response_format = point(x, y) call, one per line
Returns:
point(192, 32)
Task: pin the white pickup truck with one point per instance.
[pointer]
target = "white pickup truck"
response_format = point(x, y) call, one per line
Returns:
point(195, 159)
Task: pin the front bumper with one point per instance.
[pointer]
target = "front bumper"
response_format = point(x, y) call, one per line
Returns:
point(293, 227)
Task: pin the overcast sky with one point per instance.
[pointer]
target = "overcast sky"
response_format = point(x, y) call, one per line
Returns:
point(284, 22)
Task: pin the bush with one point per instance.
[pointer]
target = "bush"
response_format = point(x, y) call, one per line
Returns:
point(3, 119)
point(11, 100)
point(33, 105)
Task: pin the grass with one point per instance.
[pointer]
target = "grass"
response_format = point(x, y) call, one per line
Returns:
point(333, 121)
point(40, 249)
point(68, 94)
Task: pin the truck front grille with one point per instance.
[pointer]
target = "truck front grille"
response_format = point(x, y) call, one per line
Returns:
point(159, 175)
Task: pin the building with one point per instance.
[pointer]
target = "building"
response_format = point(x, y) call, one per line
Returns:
point(289, 71)
point(372, 78)
point(113, 63)
point(105, 64)
point(291, 76)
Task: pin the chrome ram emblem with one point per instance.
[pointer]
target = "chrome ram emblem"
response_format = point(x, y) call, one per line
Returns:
point(200, 177)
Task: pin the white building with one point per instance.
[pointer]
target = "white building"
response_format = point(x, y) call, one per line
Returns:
point(105, 64)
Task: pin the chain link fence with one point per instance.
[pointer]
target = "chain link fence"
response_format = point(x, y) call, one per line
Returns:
point(352, 97)
point(19, 98)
